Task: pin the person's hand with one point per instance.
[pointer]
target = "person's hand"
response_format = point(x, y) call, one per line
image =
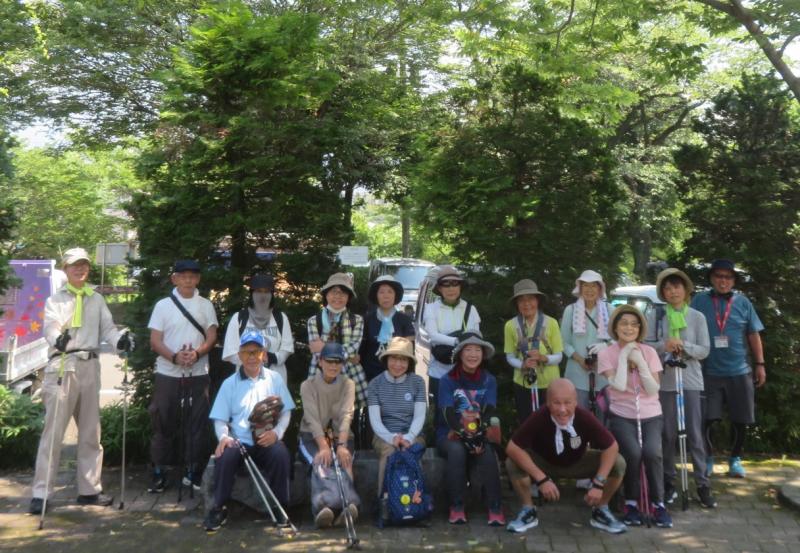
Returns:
point(626, 350)
point(355, 359)
point(345, 457)
point(536, 356)
point(470, 416)
point(186, 357)
point(637, 357)
point(477, 451)
point(323, 457)
point(125, 342)
point(594, 349)
point(760, 376)
point(226, 441)
point(267, 438)
point(62, 341)
point(549, 491)
point(316, 345)
point(397, 441)
point(580, 360)
point(674, 345)
point(593, 497)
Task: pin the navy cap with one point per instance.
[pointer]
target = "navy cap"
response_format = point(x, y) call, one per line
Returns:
point(724, 264)
point(186, 265)
point(332, 350)
point(252, 337)
point(261, 280)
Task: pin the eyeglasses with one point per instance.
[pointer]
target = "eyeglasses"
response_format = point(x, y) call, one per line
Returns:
point(249, 353)
point(723, 276)
point(634, 324)
point(449, 283)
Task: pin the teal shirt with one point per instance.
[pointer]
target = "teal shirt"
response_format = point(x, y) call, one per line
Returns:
point(579, 343)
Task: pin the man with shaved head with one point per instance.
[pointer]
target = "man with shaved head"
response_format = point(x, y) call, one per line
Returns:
point(563, 440)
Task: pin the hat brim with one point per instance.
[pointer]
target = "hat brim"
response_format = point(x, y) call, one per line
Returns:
point(372, 294)
point(342, 285)
point(618, 313)
point(530, 292)
point(665, 274)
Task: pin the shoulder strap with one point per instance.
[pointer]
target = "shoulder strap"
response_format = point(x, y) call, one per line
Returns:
point(244, 316)
point(594, 324)
point(467, 311)
point(319, 324)
point(278, 320)
point(188, 316)
point(352, 319)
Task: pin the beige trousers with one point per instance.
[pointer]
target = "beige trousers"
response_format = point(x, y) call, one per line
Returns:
point(78, 397)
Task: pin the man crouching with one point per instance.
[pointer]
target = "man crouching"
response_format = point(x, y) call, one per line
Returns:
point(231, 414)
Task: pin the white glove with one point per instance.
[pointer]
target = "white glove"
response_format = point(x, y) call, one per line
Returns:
point(637, 357)
point(649, 383)
point(620, 379)
point(594, 349)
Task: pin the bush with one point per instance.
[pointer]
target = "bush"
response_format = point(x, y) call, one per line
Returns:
point(138, 434)
point(21, 423)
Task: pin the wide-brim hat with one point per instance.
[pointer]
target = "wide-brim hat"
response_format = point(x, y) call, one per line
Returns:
point(687, 282)
point(447, 272)
point(619, 312)
point(183, 265)
point(402, 347)
point(262, 280)
point(342, 280)
point(725, 264)
point(525, 287)
point(589, 276)
point(372, 294)
point(476, 338)
point(73, 255)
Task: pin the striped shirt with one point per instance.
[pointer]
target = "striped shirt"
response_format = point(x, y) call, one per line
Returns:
point(396, 400)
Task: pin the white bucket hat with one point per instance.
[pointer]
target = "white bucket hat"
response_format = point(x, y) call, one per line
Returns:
point(589, 276)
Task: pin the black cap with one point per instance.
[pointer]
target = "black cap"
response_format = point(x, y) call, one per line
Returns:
point(262, 280)
point(724, 264)
point(186, 265)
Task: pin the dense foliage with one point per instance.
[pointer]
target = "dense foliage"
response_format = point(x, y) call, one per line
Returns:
point(21, 423)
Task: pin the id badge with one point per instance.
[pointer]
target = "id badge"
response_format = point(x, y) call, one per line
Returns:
point(720, 342)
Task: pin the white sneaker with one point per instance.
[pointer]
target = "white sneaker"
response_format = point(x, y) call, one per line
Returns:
point(526, 519)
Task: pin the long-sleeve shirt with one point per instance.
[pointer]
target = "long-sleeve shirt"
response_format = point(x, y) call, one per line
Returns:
point(397, 406)
point(325, 403)
point(549, 345)
point(439, 321)
point(579, 343)
point(696, 346)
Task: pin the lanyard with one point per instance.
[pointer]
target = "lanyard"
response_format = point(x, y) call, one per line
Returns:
point(721, 323)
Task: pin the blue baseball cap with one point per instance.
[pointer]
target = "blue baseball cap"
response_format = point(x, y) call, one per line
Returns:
point(332, 350)
point(252, 337)
point(186, 265)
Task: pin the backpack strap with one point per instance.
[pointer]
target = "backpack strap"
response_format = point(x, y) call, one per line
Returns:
point(244, 316)
point(278, 315)
point(467, 312)
point(188, 315)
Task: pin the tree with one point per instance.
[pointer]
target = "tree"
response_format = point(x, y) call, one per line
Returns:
point(8, 217)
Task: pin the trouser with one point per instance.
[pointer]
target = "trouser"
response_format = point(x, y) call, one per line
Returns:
point(524, 401)
point(272, 461)
point(456, 471)
point(172, 411)
point(78, 397)
point(384, 450)
point(695, 444)
point(626, 432)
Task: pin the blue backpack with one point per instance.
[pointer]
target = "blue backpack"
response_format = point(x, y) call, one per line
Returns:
point(404, 499)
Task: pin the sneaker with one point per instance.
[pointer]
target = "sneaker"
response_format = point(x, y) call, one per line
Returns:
point(457, 515)
point(496, 517)
point(36, 506)
point(99, 499)
point(216, 518)
point(158, 484)
point(583, 484)
point(324, 518)
point(735, 467)
point(526, 519)
point(603, 519)
point(353, 513)
point(706, 499)
point(670, 493)
point(192, 479)
point(662, 518)
point(709, 465)
point(632, 516)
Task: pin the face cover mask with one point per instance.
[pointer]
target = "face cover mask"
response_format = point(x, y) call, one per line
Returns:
point(260, 312)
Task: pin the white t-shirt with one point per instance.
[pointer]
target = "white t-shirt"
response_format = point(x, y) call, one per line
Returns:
point(179, 332)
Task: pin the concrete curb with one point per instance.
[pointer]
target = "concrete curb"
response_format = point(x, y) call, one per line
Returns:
point(789, 493)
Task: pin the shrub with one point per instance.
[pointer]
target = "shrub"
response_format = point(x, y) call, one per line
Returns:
point(21, 423)
point(138, 434)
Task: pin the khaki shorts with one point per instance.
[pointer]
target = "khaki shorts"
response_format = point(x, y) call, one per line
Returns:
point(586, 467)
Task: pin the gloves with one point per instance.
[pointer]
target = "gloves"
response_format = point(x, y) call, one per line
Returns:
point(626, 351)
point(272, 359)
point(620, 379)
point(637, 358)
point(125, 342)
point(62, 341)
point(594, 349)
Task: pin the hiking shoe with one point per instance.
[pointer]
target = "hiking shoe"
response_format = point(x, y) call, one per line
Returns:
point(36, 506)
point(324, 518)
point(526, 519)
point(709, 465)
point(670, 493)
point(706, 498)
point(158, 484)
point(603, 519)
point(99, 499)
point(192, 479)
point(496, 517)
point(583, 484)
point(216, 519)
point(457, 515)
point(735, 467)
point(662, 518)
point(340, 521)
point(632, 516)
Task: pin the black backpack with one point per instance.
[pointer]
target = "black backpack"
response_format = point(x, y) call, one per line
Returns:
point(244, 316)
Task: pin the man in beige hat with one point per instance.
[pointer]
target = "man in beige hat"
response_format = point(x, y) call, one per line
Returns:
point(76, 320)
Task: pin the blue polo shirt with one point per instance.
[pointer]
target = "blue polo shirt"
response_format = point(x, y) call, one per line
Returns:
point(239, 394)
point(743, 320)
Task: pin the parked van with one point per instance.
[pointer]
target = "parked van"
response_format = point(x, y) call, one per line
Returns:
point(645, 299)
point(407, 271)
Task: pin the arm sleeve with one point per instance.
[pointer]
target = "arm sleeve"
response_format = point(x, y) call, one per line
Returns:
point(230, 347)
point(283, 423)
point(566, 330)
point(432, 326)
point(554, 358)
point(311, 414)
point(377, 424)
point(220, 429)
point(287, 342)
point(417, 422)
point(52, 323)
point(701, 349)
point(513, 360)
point(348, 406)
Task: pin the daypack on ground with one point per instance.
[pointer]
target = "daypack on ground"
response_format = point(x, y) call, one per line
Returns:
point(325, 489)
point(404, 498)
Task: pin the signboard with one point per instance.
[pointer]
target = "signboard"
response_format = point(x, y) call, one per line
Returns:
point(114, 253)
point(23, 307)
point(354, 255)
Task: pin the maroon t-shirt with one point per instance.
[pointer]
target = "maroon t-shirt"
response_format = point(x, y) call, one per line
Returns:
point(538, 433)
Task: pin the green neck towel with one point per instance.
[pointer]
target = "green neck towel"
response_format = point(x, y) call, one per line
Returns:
point(77, 317)
point(677, 320)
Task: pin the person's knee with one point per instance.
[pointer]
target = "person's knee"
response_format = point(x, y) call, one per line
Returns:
point(618, 470)
point(514, 472)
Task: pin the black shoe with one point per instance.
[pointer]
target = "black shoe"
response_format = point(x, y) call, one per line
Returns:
point(215, 520)
point(192, 479)
point(670, 493)
point(706, 498)
point(35, 508)
point(99, 499)
point(159, 483)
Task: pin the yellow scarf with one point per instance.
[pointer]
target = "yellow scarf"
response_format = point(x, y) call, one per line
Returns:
point(77, 317)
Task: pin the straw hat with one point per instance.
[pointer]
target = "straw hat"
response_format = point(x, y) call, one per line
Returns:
point(619, 312)
point(402, 347)
point(687, 282)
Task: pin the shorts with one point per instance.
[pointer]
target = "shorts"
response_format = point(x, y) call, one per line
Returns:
point(738, 392)
point(586, 467)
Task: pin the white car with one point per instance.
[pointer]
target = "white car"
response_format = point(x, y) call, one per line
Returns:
point(645, 299)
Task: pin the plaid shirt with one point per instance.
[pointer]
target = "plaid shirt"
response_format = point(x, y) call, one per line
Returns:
point(350, 338)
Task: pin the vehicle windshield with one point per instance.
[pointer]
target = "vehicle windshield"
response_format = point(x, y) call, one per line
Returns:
point(409, 277)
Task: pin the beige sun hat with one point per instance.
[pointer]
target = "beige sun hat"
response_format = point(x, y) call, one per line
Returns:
point(402, 347)
point(447, 272)
point(524, 287)
point(619, 312)
point(476, 338)
point(687, 282)
point(342, 280)
point(74, 255)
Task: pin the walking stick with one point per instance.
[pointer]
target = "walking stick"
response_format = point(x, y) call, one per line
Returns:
point(644, 492)
point(190, 465)
point(54, 431)
point(125, 387)
point(350, 528)
point(182, 430)
point(679, 365)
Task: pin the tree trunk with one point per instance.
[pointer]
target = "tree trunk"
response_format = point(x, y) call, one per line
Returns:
point(405, 219)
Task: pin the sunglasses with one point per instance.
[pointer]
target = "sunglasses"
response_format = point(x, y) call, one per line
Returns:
point(449, 283)
point(335, 361)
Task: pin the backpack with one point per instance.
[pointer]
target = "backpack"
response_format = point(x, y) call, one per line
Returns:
point(404, 499)
point(244, 316)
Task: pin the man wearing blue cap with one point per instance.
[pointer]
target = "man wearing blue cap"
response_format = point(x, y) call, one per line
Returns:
point(733, 325)
point(183, 329)
point(238, 396)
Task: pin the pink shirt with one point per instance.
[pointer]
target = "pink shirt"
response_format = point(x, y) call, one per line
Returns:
point(623, 404)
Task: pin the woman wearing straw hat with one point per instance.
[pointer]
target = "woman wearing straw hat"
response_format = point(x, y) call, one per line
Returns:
point(470, 430)
point(335, 323)
point(533, 348)
point(397, 403)
point(682, 336)
point(382, 323)
point(635, 419)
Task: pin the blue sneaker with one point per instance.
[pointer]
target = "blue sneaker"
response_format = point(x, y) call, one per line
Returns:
point(735, 468)
point(526, 519)
point(709, 465)
point(632, 516)
point(662, 518)
point(604, 520)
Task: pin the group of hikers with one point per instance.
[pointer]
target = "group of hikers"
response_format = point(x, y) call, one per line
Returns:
point(632, 384)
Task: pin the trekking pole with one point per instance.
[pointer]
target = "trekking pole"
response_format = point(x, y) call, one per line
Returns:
point(352, 538)
point(644, 495)
point(54, 430)
point(592, 385)
point(182, 429)
point(125, 387)
point(190, 464)
point(682, 436)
